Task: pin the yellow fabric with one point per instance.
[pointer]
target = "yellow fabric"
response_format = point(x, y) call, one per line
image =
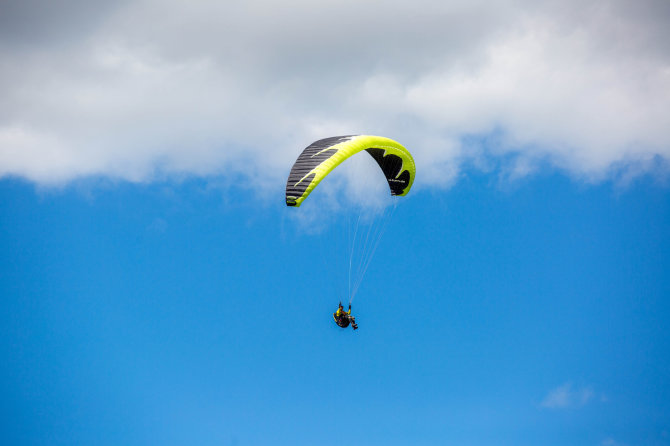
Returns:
point(340, 312)
point(348, 148)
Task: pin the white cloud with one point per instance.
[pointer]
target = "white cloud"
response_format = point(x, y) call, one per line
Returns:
point(146, 88)
point(566, 396)
point(611, 442)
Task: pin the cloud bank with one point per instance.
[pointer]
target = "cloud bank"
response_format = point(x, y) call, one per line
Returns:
point(142, 89)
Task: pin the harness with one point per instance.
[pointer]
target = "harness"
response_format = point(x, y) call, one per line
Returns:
point(342, 320)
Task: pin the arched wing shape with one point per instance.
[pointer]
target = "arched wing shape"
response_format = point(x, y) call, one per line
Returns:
point(321, 157)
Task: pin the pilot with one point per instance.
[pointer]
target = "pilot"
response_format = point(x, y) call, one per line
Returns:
point(343, 318)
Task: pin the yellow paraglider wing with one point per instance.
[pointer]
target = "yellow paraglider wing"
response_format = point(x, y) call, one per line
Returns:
point(321, 157)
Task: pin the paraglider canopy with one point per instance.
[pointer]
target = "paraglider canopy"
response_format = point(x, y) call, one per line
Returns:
point(321, 157)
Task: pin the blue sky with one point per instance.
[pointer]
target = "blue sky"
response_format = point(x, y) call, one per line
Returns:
point(178, 313)
point(156, 289)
